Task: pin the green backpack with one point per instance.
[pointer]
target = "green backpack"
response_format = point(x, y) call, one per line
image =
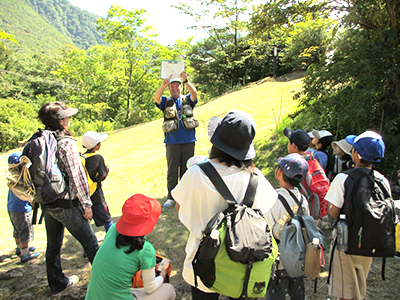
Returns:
point(237, 253)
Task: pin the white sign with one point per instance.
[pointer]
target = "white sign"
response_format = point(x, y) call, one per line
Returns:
point(174, 67)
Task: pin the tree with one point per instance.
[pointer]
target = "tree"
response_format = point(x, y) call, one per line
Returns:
point(125, 30)
point(221, 59)
point(358, 88)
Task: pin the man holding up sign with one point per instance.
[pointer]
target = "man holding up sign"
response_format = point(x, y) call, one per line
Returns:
point(179, 124)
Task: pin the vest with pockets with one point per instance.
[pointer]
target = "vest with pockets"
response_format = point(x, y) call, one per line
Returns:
point(172, 116)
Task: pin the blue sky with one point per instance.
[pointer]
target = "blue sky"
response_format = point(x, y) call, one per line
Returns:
point(167, 21)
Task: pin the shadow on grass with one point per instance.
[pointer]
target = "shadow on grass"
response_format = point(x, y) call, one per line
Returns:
point(267, 153)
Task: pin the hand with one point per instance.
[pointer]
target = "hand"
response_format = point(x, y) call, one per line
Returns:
point(166, 81)
point(164, 271)
point(183, 76)
point(88, 214)
point(108, 169)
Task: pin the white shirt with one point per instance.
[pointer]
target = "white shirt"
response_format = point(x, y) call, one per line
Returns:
point(199, 201)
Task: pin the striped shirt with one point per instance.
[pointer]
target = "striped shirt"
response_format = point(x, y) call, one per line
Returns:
point(70, 164)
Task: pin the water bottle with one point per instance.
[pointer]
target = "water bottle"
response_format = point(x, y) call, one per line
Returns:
point(342, 234)
point(210, 246)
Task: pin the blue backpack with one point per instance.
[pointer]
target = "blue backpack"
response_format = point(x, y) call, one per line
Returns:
point(296, 234)
point(50, 183)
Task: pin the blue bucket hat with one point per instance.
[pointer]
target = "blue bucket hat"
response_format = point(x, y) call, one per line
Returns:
point(369, 145)
point(15, 158)
point(293, 166)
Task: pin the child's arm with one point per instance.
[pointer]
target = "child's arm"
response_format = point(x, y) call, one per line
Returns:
point(102, 170)
point(334, 211)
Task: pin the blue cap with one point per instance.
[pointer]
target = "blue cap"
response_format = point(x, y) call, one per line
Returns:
point(369, 145)
point(293, 166)
point(15, 158)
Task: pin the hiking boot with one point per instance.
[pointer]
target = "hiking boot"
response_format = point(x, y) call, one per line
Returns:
point(169, 203)
point(18, 251)
point(72, 280)
point(28, 256)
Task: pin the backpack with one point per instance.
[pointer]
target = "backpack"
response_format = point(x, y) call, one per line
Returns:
point(296, 237)
point(370, 215)
point(92, 184)
point(19, 180)
point(314, 187)
point(243, 243)
point(50, 183)
point(341, 166)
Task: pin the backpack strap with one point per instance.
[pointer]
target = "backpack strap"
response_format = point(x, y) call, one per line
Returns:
point(299, 215)
point(221, 187)
point(286, 205)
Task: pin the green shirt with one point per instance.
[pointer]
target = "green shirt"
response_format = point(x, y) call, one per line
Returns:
point(113, 269)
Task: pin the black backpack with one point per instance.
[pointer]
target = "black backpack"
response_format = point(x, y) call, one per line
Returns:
point(370, 215)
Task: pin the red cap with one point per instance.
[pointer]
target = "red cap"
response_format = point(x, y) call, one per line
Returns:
point(139, 216)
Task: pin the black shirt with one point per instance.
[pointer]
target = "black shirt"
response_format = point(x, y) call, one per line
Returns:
point(97, 170)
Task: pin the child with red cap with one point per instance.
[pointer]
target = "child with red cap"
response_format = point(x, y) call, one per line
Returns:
point(125, 250)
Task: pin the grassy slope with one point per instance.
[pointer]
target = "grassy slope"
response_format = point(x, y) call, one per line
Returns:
point(28, 28)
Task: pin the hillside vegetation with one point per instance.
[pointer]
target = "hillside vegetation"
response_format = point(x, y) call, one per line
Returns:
point(43, 26)
point(29, 29)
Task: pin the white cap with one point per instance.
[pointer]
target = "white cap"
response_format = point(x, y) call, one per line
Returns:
point(91, 138)
point(315, 241)
point(319, 134)
point(342, 216)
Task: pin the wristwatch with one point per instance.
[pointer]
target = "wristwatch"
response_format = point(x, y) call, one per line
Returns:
point(185, 81)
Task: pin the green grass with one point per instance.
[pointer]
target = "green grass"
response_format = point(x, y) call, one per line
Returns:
point(136, 158)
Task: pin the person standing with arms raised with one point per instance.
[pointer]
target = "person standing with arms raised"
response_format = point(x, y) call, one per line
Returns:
point(179, 137)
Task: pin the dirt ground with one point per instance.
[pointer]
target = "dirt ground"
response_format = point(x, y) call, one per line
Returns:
point(28, 281)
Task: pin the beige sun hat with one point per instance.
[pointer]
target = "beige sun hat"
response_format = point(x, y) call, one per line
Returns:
point(344, 145)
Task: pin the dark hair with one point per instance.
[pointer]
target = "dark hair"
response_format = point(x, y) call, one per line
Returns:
point(224, 157)
point(46, 116)
point(292, 181)
point(300, 148)
point(346, 157)
point(326, 141)
point(366, 163)
point(134, 242)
